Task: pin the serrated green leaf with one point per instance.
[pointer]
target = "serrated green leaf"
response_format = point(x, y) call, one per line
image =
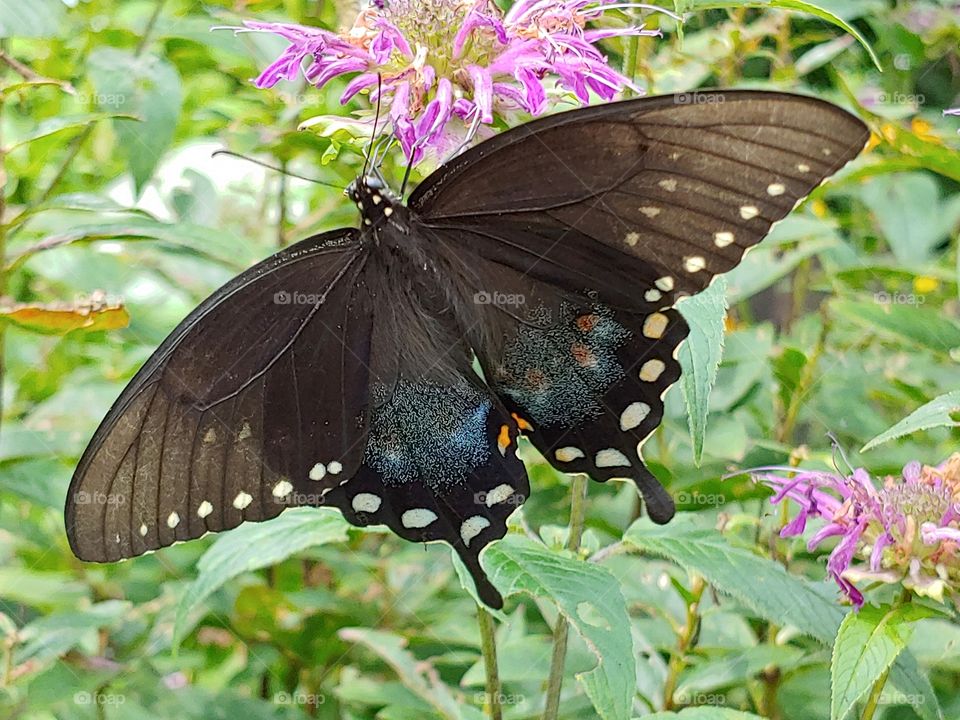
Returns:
point(146, 87)
point(867, 644)
point(771, 592)
point(591, 600)
point(797, 5)
point(914, 323)
point(256, 545)
point(939, 412)
point(700, 356)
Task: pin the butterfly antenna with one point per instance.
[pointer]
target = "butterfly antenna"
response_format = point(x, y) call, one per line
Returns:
point(373, 132)
point(261, 163)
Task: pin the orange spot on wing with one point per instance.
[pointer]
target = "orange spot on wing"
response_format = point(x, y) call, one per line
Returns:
point(521, 423)
point(586, 323)
point(503, 440)
point(583, 354)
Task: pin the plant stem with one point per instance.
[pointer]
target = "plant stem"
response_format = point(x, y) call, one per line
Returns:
point(488, 645)
point(684, 642)
point(145, 38)
point(873, 701)
point(578, 513)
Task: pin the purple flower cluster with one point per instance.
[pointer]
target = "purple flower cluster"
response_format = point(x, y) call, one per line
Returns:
point(906, 530)
point(447, 67)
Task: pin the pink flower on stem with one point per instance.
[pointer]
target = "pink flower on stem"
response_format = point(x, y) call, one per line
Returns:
point(446, 68)
point(904, 529)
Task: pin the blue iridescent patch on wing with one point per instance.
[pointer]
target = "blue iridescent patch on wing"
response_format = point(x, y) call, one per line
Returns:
point(429, 432)
point(558, 374)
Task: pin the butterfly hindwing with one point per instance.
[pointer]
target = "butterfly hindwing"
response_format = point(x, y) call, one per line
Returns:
point(230, 417)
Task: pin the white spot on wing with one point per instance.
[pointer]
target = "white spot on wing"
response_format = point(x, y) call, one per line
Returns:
point(748, 212)
point(417, 518)
point(654, 325)
point(635, 414)
point(318, 471)
point(334, 468)
point(472, 527)
point(665, 283)
point(775, 189)
point(611, 457)
point(498, 495)
point(568, 454)
point(205, 509)
point(722, 239)
point(669, 184)
point(143, 531)
point(282, 489)
point(803, 167)
point(650, 211)
point(652, 295)
point(651, 370)
point(694, 263)
point(173, 520)
point(242, 500)
point(366, 502)
point(632, 238)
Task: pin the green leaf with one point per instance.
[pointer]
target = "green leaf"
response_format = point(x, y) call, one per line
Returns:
point(423, 682)
point(703, 713)
point(939, 412)
point(867, 643)
point(147, 87)
point(771, 593)
point(916, 324)
point(700, 356)
point(910, 214)
point(591, 600)
point(36, 18)
point(798, 5)
point(256, 545)
point(54, 125)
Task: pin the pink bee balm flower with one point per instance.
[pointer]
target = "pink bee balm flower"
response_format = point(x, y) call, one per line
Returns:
point(445, 68)
point(904, 529)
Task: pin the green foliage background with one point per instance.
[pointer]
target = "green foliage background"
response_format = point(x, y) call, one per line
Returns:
point(844, 320)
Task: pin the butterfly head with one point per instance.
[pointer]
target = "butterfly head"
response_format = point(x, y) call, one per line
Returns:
point(374, 199)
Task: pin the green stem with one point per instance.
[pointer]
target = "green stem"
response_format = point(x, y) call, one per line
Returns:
point(685, 642)
point(488, 645)
point(873, 701)
point(148, 30)
point(578, 512)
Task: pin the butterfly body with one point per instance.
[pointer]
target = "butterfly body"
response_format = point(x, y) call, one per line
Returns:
point(341, 371)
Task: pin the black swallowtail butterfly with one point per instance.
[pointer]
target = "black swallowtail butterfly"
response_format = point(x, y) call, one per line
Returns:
point(552, 254)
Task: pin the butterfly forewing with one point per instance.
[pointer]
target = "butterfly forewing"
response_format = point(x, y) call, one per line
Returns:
point(254, 394)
